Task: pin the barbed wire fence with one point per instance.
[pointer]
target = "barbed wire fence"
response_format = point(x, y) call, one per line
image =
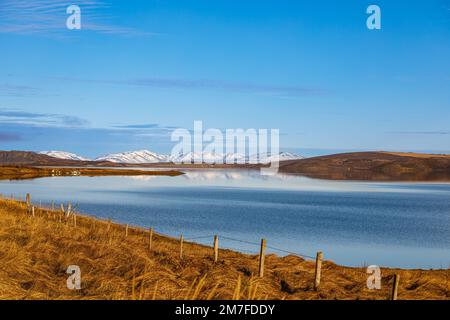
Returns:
point(200, 239)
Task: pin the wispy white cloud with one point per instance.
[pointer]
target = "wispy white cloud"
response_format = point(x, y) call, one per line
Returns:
point(49, 17)
point(8, 137)
point(30, 130)
point(14, 116)
point(188, 84)
point(17, 90)
point(443, 132)
point(137, 126)
point(143, 130)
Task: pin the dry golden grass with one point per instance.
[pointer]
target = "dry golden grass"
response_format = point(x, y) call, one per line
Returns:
point(36, 251)
point(418, 155)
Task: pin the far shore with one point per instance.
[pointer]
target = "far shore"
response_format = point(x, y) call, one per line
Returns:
point(28, 172)
point(362, 166)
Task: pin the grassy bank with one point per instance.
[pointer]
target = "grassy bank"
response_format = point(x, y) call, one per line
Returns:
point(35, 253)
point(24, 172)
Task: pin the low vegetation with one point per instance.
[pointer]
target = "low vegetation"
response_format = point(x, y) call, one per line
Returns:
point(116, 262)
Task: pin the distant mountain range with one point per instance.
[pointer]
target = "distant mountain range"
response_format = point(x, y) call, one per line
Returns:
point(63, 155)
point(25, 158)
point(375, 166)
point(146, 156)
point(134, 157)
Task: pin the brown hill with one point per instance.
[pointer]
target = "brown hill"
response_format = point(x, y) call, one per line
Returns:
point(378, 166)
point(30, 158)
point(23, 158)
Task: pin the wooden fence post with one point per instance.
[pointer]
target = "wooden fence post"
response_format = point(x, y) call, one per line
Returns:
point(126, 231)
point(262, 258)
point(150, 239)
point(216, 248)
point(395, 287)
point(319, 258)
point(28, 200)
point(63, 210)
point(181, 246)
point(32, 211)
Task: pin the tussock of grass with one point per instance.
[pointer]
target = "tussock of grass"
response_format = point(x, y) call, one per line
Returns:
point(36, 251)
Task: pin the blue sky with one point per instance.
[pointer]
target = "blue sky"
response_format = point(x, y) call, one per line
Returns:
point(138, 69)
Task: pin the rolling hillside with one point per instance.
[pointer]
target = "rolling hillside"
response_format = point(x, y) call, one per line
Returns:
point(29, 158)
point(379, 166)
point(375, 166)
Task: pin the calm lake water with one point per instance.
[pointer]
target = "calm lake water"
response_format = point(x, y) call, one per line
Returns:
point(354, 223)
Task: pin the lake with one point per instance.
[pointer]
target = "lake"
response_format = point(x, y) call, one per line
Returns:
point(403, 225)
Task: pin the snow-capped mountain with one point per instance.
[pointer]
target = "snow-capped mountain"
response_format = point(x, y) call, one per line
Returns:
point(187, 158)
point(63, 155)
point(200, 157)
point(282, 156)
point(135, 157)
point(146, 156)
point(232, 158)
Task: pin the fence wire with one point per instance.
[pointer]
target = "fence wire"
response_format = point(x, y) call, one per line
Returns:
point(46, 206)
point(269, 247)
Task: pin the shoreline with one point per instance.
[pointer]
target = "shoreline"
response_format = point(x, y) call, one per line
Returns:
point(379, 166)
point(19, 172)
point(279, 251)
point(32, 172)
point(114, 246)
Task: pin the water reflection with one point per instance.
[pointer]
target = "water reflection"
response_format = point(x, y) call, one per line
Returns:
point(243, 178)
point(392, 224)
